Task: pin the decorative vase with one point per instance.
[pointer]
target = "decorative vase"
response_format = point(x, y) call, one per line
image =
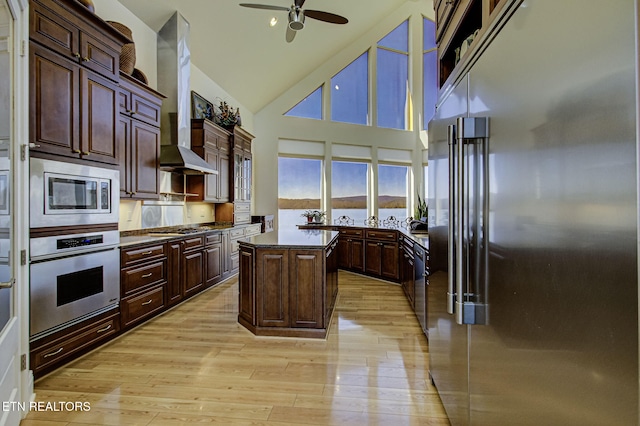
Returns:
point(309, 219)
point(128, 52)
point(88, 4)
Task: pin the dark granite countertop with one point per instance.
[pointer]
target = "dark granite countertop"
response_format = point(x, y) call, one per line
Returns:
point(421, 238)
point(293, 237)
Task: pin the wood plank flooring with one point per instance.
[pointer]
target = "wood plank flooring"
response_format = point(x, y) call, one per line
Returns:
point(195, 364)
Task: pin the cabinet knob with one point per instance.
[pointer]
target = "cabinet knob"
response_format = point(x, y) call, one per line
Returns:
point(85, 59)
point(76, 54)
point(85, 153)
point(75, 151)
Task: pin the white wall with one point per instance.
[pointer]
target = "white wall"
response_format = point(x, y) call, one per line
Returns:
point(271, 125)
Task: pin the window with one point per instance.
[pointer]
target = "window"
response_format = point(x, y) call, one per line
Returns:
point(430, 69)
point(393, 79)
point(392, 191)
point(349, 190)
point(350, 92)
point(299, 188)
point(309, 107)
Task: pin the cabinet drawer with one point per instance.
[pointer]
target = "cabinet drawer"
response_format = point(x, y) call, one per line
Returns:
point(213, 238)
point(236, 233)
point(143, 276)
point(139, 307)
point(381, 235)
point(242, 218)
point(235, 246)
point(193, 243)
point(145, 109)
point(252, 230)
point(351, 232)
point(135, 255)
point(241, 207)
point(74, 342)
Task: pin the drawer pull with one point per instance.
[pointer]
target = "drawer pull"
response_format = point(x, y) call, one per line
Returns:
point(102, 330)
point(85, 59)
point(75, 151)
point(76, 55)
point(147, 275)
point(85, 153)
point(53, 353)
point(146, 252)
point(148, 302)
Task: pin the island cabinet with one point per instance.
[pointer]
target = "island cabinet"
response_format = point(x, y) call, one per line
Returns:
point(74, 73)
point(139, 140)
point(211, 142)
point(143, 275)
point(381, 254)
point(288, 284)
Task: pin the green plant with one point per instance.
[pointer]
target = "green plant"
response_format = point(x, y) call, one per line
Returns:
point(316, 215)
point(421, 208)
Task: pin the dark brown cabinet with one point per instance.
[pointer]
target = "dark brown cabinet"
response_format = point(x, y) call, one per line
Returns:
point(407, 261)
point(241, 174)
point(381, 254)
point(186, 264)
point(214, 259)
point(351, 249)
point(287, 291)
point(54, 350)
point(142, 280)
point(74, 60)
point(210, 142)
point(139, 140)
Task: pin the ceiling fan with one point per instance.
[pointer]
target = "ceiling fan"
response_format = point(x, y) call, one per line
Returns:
point(297, 16)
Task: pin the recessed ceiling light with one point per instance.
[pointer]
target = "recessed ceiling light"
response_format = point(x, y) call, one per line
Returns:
point(273, 22)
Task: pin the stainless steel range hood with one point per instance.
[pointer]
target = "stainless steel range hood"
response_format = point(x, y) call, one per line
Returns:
point(174, 79)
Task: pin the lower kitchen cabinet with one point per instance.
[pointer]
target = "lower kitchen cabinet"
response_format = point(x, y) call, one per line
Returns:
point(407, 261)
point(213, 259)
point(142, 306)
point(142, 280)
point(381, 254)
point(50, 352)
point(351, 249)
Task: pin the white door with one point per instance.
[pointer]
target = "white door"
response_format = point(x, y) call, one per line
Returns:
point(9, 324)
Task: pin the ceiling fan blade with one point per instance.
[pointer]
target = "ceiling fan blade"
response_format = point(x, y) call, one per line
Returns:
point(325, 16)
point(291, 34)
point(299, 3)
point(264, 6)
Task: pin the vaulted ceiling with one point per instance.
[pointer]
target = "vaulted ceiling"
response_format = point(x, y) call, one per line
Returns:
point(236, 47)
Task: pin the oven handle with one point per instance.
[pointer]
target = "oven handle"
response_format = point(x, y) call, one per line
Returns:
point(57, 256)
point(7, 284)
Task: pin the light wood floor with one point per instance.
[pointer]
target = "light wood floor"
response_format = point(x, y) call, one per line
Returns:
point(196, 364)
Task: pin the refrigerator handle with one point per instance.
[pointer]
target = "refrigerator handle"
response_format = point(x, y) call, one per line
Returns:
point(460, 275)
point(451, 293)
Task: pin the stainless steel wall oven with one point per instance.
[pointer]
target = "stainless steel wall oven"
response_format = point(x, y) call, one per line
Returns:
point(75, 261)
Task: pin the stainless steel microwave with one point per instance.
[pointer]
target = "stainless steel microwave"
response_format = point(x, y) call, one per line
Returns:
point(69, 194)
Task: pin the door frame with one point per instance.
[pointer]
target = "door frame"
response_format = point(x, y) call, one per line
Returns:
point(14, 340)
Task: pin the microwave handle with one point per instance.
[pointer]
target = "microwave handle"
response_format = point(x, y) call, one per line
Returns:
point(7, 284)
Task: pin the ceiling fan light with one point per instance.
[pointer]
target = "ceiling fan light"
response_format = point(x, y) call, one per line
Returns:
point(296, 19)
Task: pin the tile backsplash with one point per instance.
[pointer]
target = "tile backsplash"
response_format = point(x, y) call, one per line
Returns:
point(139, 215)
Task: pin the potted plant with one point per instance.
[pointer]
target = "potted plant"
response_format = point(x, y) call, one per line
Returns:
point(314, 216)
point(421, 210)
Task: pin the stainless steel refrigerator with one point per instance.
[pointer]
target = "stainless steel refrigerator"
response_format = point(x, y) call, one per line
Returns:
point(533, 290)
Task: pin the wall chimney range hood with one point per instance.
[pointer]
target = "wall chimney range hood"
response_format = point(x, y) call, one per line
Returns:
point(174, 79)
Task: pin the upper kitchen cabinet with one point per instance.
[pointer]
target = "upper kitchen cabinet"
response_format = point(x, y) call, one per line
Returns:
point(459, 24)
point(74, 75)
point(139, 139)
point(241, 166)
point(211, 142)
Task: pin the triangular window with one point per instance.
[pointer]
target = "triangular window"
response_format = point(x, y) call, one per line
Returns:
point(309, 107)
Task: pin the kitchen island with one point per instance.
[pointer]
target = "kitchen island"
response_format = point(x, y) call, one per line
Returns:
point(288, 282)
